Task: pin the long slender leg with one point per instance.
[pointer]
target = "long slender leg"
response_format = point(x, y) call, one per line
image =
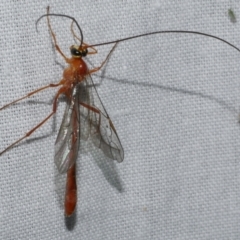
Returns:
point(94, 110)
point(88, 46)
point(109, 54)
point(61, 90)
point(74, 34)
point(90, 107)
point(30, 94)
point(27, 134)
point(54, 38)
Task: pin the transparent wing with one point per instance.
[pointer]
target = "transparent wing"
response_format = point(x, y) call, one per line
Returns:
point(67, 142)
point(85, 116)
point(96, 123)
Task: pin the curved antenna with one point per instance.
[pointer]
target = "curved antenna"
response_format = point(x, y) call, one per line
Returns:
point(167, 31)
point(66, 16)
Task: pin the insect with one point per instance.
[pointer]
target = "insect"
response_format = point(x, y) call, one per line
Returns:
point(85, 116)
point(232, 16)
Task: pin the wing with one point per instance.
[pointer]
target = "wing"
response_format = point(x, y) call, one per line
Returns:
point(67, 142)
point(96, 122)
point(85, 116)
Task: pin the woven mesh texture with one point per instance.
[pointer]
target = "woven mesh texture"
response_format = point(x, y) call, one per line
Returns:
point(174, 100)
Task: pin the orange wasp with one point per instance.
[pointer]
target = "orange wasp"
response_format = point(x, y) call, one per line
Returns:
point(85, 116)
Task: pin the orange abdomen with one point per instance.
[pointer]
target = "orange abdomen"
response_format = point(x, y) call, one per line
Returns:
point(71, 191)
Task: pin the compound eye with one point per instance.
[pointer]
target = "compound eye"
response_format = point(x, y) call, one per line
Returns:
point(75, 52)
point(84, 52)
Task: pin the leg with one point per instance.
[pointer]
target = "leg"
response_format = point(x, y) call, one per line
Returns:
point(27, 134)
point(94, 110)
point(54, 38)
point(37, 126)
point(109, 54)
point(30, 94)
point(90, 107)
point(88, 46)
point(74, 34)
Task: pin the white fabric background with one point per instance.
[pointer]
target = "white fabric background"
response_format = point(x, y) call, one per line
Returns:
point(174, 100)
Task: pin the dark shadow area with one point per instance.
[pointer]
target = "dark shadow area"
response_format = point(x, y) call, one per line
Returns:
point(54, 124)
point(29, 140)
point(107, 166)
point(109, 170)
point(221, 102)
point(71, 221)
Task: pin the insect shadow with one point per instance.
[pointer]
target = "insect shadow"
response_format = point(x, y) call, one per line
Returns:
point(108, 168)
